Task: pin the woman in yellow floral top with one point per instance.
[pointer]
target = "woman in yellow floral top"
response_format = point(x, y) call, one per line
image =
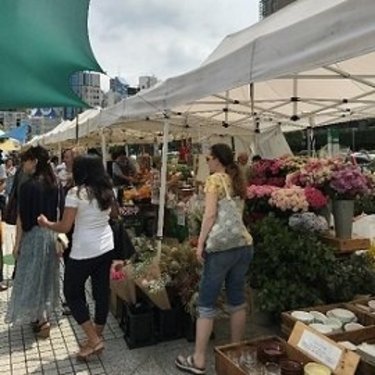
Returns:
point(228, 265)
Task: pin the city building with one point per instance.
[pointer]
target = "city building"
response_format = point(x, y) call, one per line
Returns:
point(87, 86)
point(267, 7)
point(11, 119)
point(145, 82)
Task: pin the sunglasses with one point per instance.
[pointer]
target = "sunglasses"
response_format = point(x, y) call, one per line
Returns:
point(208, 158)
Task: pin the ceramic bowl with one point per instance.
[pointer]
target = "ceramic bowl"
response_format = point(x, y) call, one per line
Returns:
point(313, 368)
point(348, 327)
point(289, 367)
point(334, 323)
point(371, 304)
point(271, 351)
point(344, 315)
point(369, 349)
point(322, 328)
point(318, 317)
point(348, 345)
point(302, 316)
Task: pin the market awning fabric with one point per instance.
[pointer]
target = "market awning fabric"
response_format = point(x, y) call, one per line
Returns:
point(42, 42)
point(312, 61)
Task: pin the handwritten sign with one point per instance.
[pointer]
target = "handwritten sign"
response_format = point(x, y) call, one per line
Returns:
point(320, 350)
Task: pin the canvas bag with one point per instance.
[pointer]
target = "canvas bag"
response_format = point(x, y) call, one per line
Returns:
point(228, 229)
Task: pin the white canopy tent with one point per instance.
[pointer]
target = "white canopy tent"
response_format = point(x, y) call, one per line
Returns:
point(309, 64)
point(303, 63)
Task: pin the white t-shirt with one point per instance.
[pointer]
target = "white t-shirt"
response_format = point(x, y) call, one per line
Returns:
point(92, 234)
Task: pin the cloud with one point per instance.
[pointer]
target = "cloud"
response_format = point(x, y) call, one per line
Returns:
point(162, 37)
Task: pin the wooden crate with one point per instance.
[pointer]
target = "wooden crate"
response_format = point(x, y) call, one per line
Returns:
point(358, 337)
point(225, 366)
point(346, 246)
point(288, 322)
point(361, 304)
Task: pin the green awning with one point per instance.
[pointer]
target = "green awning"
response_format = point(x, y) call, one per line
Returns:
point(42, 42)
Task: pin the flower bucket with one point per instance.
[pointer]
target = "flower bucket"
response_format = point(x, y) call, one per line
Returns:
point(326, 212)
point(343, 212)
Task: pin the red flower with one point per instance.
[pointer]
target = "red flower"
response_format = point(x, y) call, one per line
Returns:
point(315, 198)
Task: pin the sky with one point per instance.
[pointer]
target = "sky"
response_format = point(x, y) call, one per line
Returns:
point(164, 38)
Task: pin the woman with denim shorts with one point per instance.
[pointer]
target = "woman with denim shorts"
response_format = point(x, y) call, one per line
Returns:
point(220, 266)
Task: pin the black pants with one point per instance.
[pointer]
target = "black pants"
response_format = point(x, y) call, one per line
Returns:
point(76, 274)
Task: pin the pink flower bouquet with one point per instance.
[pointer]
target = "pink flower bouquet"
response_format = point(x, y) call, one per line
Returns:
point(348, 182)
point(289, 199)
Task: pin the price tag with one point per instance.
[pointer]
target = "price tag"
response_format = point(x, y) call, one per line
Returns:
point(320, 350)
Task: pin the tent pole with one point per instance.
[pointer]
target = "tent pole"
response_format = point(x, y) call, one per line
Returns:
point(59, 151)
point(163, 177)
point(77, 130)
point(104, 148)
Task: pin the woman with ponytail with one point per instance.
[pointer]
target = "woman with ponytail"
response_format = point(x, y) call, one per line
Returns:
point(35, 292)
point(221, 265)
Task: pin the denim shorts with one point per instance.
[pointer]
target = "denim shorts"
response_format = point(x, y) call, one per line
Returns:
point(227, 267)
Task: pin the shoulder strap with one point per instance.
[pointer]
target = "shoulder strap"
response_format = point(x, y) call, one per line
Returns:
point(225, 187)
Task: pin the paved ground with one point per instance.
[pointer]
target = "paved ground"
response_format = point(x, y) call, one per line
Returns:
point(21, 353)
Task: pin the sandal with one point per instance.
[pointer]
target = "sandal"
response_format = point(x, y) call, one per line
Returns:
point(187, 364)
point(42, 330)
point(3, 287)
point(87, 351)
point(86, 342)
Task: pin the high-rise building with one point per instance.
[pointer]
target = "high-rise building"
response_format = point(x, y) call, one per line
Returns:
point(87, 86)
point(145, 82)
point(267, 7)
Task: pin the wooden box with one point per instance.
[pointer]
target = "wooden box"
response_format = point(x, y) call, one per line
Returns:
point(358, 337)
point(361, 304)
point(346, 246)
point(225, 366)
point(288, 322)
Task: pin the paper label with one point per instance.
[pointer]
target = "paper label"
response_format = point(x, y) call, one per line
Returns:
point(320, 350)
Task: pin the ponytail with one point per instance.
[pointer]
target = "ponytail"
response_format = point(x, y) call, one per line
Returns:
point(238, 182)
point(224, 154)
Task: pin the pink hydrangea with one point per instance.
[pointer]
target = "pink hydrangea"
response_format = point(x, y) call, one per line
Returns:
point(348, 181)
point(259, 191)
point(315, 198)
point(289, 199)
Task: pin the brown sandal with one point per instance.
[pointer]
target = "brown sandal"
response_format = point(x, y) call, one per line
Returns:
point(86, 342)
point(43, 330)
point(87, 351)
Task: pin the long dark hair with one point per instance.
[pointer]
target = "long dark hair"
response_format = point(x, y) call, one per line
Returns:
point(224, 154)
point(43, 169)
point(88, 171)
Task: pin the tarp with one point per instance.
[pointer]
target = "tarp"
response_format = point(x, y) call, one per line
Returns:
point(42, 42)
point(20, 133)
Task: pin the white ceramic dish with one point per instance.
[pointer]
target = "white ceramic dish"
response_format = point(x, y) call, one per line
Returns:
point(348, 327)
point(344, 315)
point(334, 323)
point(302, 316)
point(321, 328)
point(371, 304)
point(368, 349)
point(318, 316)
point(348, 345)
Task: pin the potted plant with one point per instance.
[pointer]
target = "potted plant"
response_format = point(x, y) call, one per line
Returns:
point(293, 268)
